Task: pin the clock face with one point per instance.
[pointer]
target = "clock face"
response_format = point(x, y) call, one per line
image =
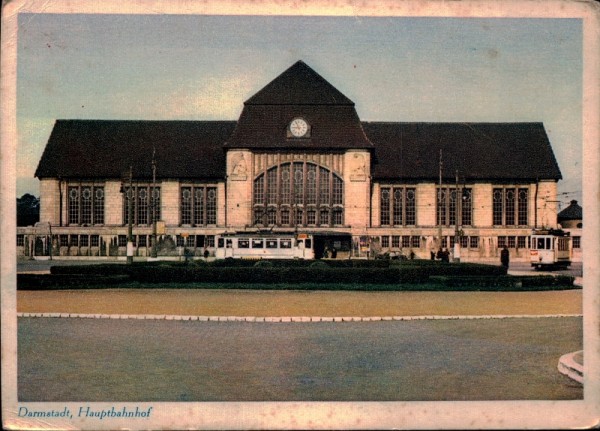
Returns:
point(298, 127)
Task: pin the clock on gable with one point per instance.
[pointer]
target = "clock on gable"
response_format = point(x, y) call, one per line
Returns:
point(298, 128)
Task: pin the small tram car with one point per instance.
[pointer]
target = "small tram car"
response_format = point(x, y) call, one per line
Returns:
point(264, 245)
point(550, 249)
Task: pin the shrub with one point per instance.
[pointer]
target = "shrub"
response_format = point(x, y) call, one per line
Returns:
point(263, 264)
point(318, 264)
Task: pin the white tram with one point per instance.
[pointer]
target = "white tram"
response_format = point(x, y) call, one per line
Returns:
point(265, 245)
point(550, 248)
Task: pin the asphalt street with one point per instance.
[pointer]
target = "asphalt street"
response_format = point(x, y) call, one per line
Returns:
point(139, 360)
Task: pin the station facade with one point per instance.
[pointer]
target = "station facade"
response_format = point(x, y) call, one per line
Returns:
point(299, 159)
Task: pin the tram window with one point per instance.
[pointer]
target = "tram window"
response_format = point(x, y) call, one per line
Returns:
point(540, 243)
point(257, 243)
point(220, 243)
point(271, 243)
point(285, 243)
point(228, 243)
point(299, 242)
point(308, 243)
point(243, 243)
point(548, 244)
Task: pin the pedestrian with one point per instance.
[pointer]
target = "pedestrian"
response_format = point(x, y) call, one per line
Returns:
point(432, 255)
point(333, 253)
point(445, 256)
point(205, 254)
point(504, 257)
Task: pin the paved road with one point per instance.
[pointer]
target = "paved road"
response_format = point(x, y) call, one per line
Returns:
point(133, 360)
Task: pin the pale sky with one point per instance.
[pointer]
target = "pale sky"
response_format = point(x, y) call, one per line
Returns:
point(177, 67)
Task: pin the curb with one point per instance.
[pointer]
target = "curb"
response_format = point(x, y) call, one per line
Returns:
point(568, 366)
point(289, 319)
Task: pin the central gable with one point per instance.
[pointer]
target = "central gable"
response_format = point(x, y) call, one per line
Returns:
point(327, 119)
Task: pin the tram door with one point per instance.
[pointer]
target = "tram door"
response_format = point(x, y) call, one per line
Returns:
point(228, 247)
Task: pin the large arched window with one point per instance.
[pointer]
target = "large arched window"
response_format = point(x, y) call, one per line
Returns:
point(298, 193)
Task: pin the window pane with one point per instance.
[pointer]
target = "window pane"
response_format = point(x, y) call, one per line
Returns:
point(259, 190)
point(338, 191)
point(272, 186)
point(497, 207)
point(199, 205)
point(324, 186)
point(311, 184)
point(98, 205)
point(73, 205)
point(398, 198)
point(510, 206)
point(405, 241)
point(411, 207)
point(396, 241)
point(285, 184)
point(142, 205)
point(86, 205)
point(467, 207)
point(441, 207)
point(211, 205)
point(385, 206)
point(186, 205)
point(523, 207)
point(474, 241)
point(385, 241)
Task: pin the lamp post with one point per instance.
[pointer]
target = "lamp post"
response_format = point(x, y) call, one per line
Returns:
point(153, 252)
point(458, 202)
point(129, 197)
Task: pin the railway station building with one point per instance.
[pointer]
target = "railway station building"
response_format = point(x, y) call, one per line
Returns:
point(298, 159)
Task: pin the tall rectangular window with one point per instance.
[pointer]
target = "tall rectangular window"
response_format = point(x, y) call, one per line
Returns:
point(510, 206)
point(523, 210)
point(85, 204)
point(454, 206)
point(311, 184)
point(211, 205)
point(145, 204)
point(272, 186)
point(186, 205)
point(385, 207)
point(198, 205)
point(385, 241)
point(576, 242)
point(397, 206)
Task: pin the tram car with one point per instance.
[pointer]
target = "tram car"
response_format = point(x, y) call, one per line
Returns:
point(264, 245)
point(550, 249)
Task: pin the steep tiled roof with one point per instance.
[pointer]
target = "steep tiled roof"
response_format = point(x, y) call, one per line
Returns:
point(479, 151)
point(106, 149)
point(299, 85)
point(572, 212)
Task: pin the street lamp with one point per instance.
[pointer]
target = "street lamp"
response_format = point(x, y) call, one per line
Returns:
point(153, 252)
point(129, 196)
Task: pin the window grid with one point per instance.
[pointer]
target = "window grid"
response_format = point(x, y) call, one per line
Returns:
point(95, 240)
point(510, 206)
point(84, 240)
point(397, 206)
point(473, 241)
point(142, 200)
point(396, 241)
point(301, 193)
point(521, 241)
point(448, 204)
point(85, 204)
point(20, 240)
point(385, 241)
point(576, 242)
point(415, 241)
point(405, 241)
point(198, 205)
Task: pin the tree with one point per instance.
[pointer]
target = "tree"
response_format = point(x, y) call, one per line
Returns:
point(28, 210)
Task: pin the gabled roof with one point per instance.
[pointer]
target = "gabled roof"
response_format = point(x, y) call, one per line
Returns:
point(299, 92)
point(107, 148)
point(299, 85)
point(572, 212)
point(479, 151)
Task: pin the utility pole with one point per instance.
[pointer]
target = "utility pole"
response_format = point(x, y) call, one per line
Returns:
point(130, 218)
point(153, 252)
point(457, 203)
point(439, 205)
